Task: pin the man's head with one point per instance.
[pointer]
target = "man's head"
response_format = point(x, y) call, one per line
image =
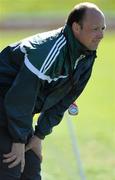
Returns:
point(88, 24)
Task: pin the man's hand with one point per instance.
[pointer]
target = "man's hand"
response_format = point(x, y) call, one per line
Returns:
point(35, 144)
point(16, 156)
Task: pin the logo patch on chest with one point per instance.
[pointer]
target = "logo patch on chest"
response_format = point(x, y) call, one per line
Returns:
point(78, 59)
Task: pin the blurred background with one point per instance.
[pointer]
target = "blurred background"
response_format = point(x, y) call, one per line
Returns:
point(95, 124)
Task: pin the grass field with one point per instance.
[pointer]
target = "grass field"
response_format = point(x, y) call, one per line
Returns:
point(47, 7)
point(95, 124)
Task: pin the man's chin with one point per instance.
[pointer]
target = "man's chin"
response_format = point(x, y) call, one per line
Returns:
point(93, 48)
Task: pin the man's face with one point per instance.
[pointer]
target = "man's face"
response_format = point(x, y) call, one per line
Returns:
point(92, 30)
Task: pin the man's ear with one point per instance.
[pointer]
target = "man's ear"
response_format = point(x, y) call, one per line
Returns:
point(76, 28)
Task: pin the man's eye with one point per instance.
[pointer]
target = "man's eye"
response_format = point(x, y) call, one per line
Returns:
point(103, 28)
point(99, 29)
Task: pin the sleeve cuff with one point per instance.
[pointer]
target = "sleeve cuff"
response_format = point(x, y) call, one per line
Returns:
point(39, 134)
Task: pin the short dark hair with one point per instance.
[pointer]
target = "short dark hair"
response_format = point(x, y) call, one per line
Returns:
point(76, 15)
point(79, 11)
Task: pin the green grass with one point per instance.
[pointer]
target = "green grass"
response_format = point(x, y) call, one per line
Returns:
point(37, 7)
point(94, 125)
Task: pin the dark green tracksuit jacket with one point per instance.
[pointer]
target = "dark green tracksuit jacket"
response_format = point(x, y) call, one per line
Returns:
point(43, 73)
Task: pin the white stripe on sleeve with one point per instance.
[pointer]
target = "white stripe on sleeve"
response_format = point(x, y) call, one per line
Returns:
point(39, 74)
point(53, 52)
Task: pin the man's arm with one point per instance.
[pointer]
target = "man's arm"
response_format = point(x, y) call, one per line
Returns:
point(53, 116)
point(19, 104)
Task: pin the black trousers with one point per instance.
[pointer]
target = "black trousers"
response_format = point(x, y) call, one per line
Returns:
point(32, 162)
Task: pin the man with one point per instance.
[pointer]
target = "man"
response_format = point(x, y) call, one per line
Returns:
point(44, 73)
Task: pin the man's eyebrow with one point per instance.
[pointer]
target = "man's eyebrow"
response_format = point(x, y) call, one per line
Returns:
point(98, 26)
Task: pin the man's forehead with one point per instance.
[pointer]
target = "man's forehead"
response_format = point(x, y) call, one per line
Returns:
point(93, 17)
point(93, 14)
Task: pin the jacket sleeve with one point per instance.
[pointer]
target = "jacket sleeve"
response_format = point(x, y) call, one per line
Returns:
point(53, 116)
point(19, 103)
